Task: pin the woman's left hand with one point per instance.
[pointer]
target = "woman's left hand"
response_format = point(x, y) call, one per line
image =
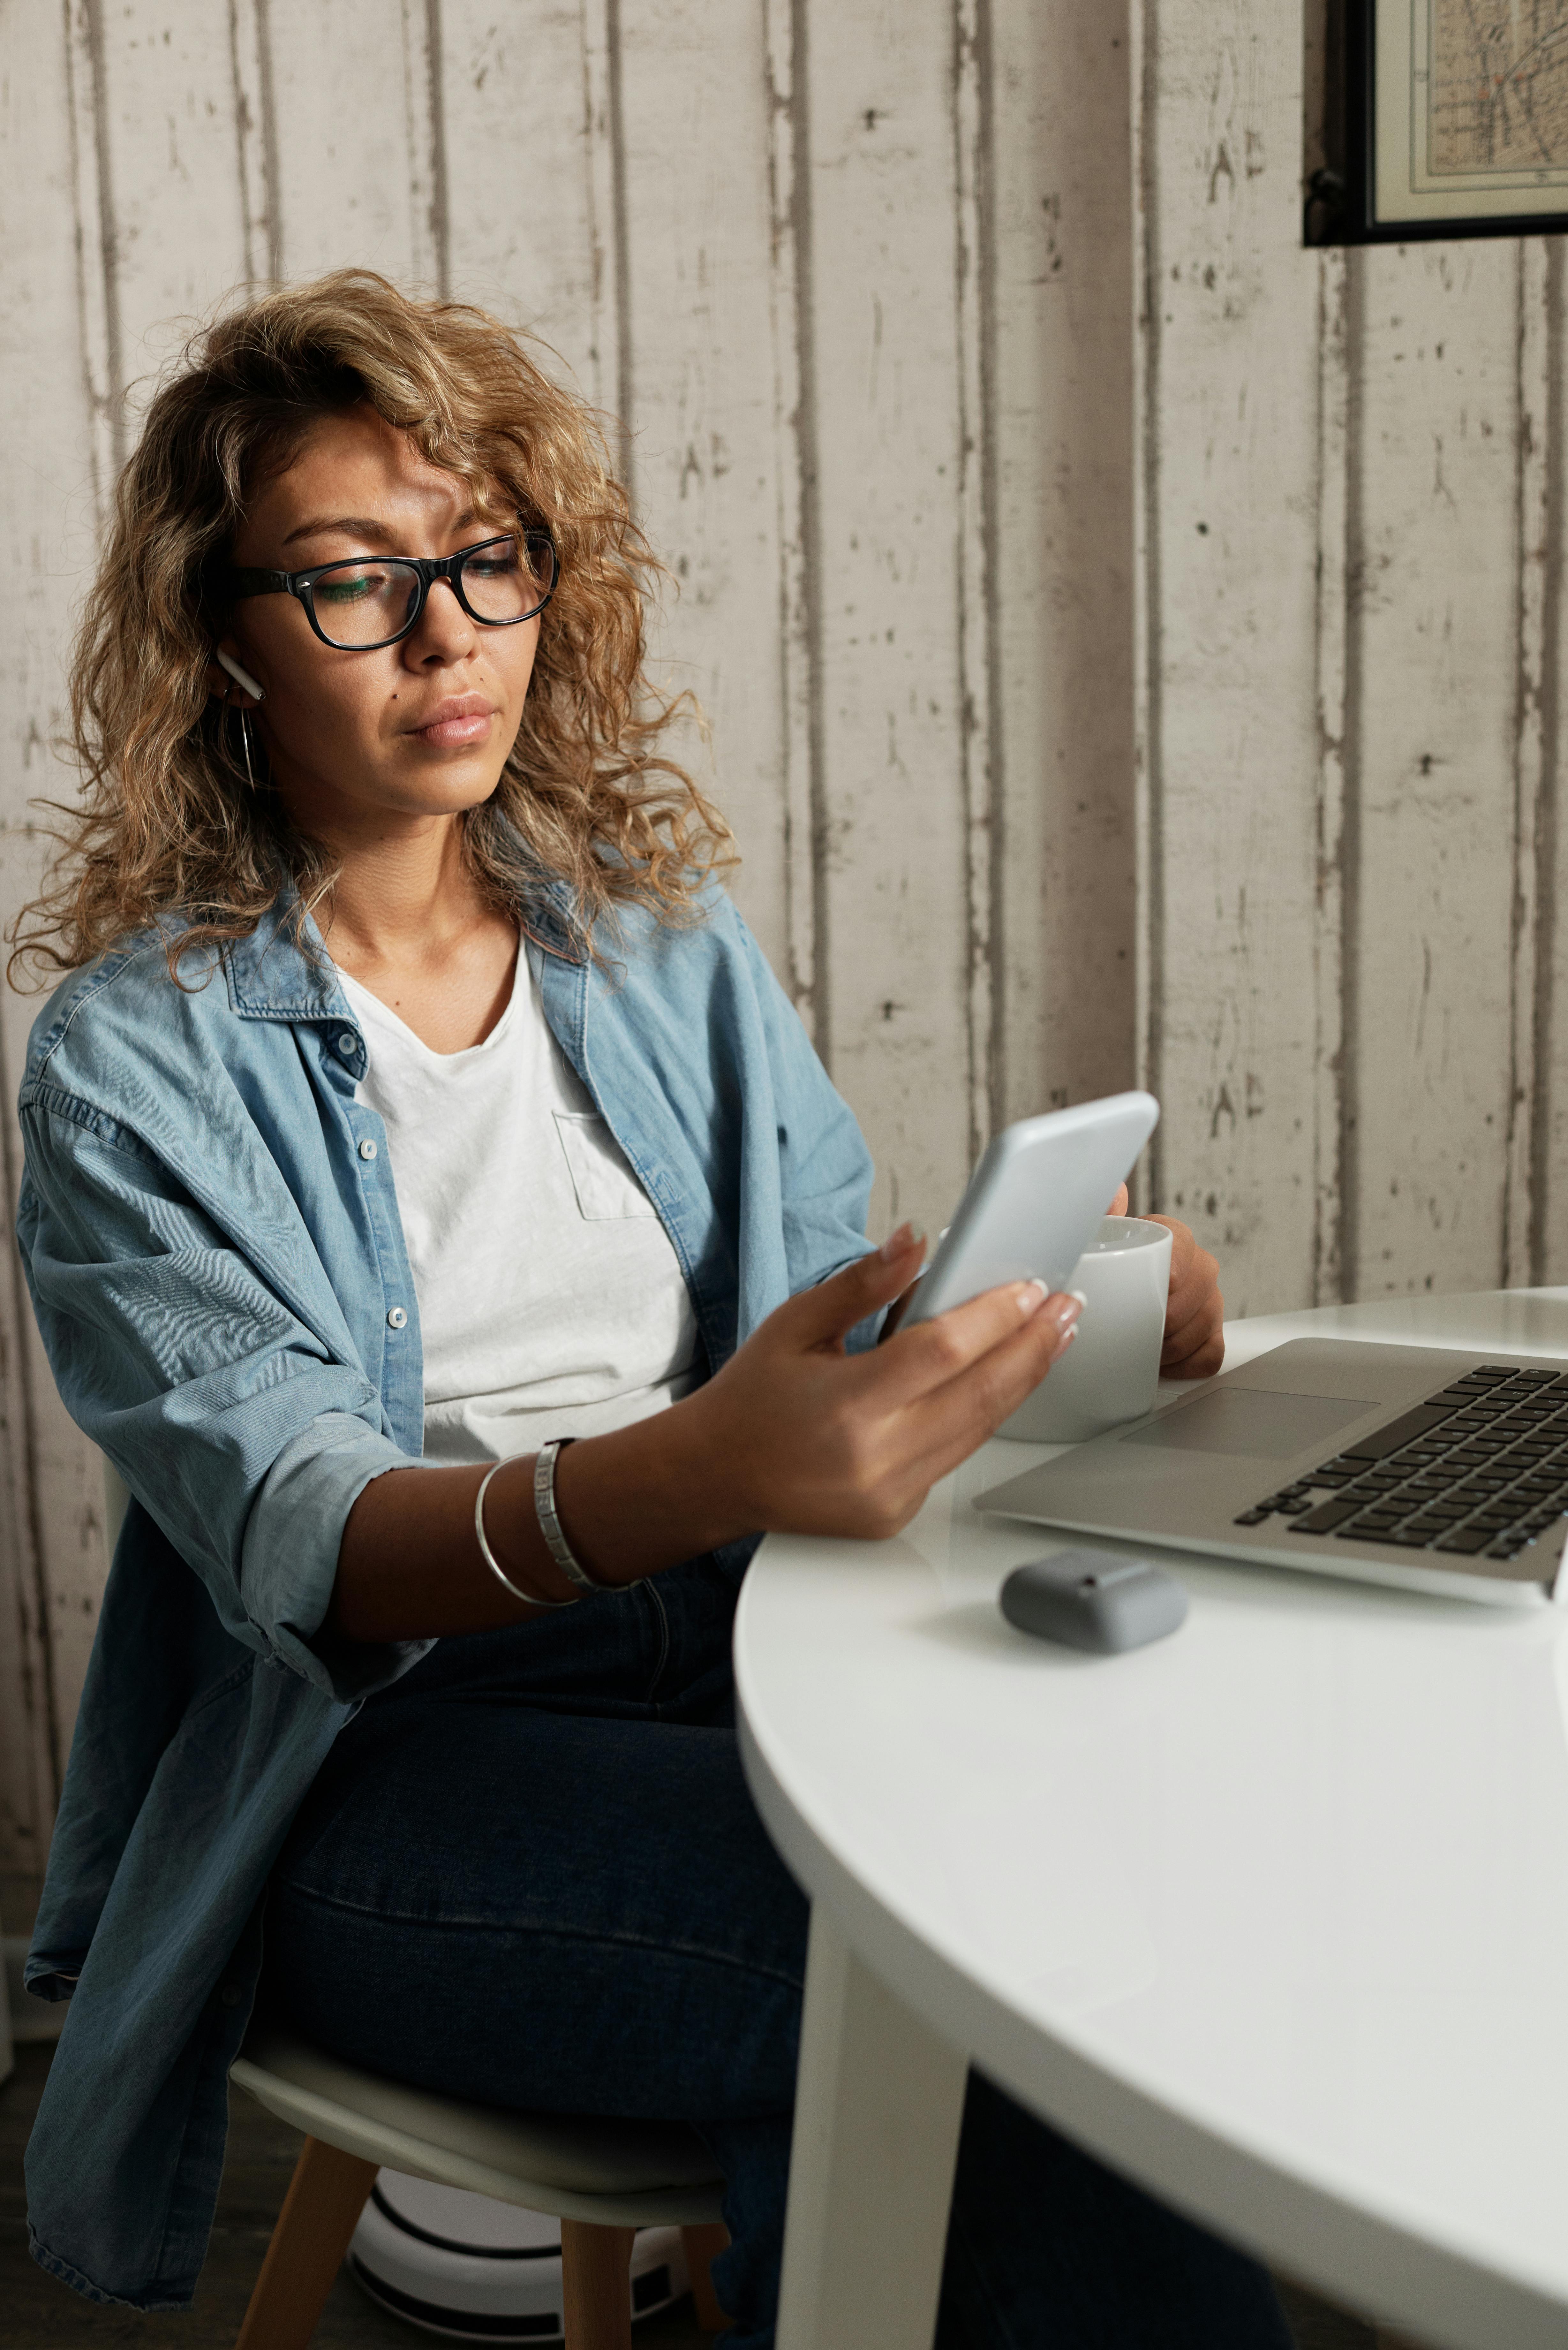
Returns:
point(1195, 1311)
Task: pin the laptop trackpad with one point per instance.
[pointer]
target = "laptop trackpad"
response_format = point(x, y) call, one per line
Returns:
point(1253, 1421)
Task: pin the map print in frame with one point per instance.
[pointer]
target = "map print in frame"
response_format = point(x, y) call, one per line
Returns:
point(1471, 109)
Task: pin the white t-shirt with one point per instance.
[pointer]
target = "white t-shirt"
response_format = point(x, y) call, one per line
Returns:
point(551, 1301)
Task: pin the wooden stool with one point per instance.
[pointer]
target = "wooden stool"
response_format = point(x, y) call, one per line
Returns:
point(602, 2179)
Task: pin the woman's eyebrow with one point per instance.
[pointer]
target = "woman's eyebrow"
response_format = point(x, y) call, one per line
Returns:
point(361, 527)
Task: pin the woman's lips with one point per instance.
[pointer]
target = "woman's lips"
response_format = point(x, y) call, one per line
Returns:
point(465, 719)
point(472, 729)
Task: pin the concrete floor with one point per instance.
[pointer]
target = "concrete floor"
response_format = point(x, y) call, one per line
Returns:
point(38, 2314)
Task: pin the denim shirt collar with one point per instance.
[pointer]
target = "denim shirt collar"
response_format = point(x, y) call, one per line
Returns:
point(282, 971)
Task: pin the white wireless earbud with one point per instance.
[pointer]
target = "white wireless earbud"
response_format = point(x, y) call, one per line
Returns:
point(242, 677)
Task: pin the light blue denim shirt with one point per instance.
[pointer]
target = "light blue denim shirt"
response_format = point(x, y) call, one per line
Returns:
point(220, 1282)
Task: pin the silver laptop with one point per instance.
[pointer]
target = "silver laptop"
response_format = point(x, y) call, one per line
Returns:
point(1421, 1466)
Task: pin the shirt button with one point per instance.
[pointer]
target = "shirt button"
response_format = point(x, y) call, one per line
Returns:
point(348, 1044)
point(367, 1149)
point(396, 1318)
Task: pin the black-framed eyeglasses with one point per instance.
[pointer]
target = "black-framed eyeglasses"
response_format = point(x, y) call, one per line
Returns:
point(369, 600)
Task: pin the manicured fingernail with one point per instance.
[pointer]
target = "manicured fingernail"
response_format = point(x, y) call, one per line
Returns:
point(1079, 1296)
point(1067, 1314)
point(898, 1244)
point(1031, 1296)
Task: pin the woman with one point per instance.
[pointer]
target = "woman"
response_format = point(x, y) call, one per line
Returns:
point(435, 1212)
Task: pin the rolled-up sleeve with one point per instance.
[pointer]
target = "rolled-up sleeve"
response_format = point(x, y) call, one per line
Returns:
point(244, 1433)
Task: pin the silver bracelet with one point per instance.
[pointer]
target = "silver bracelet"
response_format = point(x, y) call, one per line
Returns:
point(550, 1526)
point(529, 1598)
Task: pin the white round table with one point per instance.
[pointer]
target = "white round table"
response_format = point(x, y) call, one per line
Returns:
point(1272, 1915)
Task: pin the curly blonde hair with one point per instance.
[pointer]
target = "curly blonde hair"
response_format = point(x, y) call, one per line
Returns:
point(168, 824)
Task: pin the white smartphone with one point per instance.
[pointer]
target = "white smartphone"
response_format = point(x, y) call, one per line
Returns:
point(1035, 1200)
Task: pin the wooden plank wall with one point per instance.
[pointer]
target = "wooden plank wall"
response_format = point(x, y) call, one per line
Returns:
point(1349, 523)
point(1132, 643)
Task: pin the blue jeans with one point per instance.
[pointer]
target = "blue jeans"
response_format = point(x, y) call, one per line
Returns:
point(530, 1874)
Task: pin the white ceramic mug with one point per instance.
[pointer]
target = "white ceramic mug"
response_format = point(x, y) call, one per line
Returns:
point(1111, 1370)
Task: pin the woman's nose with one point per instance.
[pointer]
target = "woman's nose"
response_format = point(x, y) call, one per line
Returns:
point(444, 629)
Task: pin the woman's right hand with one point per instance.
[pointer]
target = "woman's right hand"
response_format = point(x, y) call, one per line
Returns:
point(793, 1436)
point(798, 1436)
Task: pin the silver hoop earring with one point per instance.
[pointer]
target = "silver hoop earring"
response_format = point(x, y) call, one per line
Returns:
point(245, 746)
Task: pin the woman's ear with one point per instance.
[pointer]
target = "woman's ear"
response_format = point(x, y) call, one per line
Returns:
point(234, 669)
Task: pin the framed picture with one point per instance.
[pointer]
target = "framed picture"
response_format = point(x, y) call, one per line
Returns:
point(1441, 118)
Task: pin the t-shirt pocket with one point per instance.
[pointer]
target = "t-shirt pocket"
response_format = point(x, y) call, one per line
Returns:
point(601, 1175)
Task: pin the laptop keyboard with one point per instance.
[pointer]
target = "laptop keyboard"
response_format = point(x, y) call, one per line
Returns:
point(1480, 1469)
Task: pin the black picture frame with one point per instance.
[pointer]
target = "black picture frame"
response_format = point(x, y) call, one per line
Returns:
point(1343, 160)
